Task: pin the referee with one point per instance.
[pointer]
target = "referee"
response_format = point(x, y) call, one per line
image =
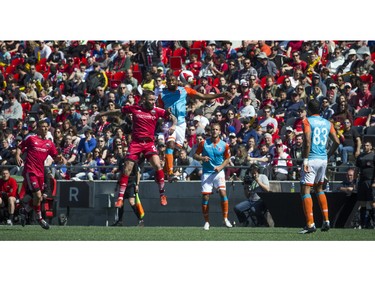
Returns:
point(366, 183)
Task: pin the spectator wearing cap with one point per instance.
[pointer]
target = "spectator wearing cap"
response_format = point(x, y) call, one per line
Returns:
point(336, 60)
point(316, 81)
point(205, 84)
point(233, 144)
point(265, 67)
point(351, 57)
point(246, 110)
point(96, 78)
point(206, 69)
point(12, 109)
point(272, 131)
point(281, 163)
point(200, 121)
point(56, 56)
point(293, 106)
point(228, 51)
point(220, 67)
point(304, 52)
point(32, 126)
point(325, 109)
point(289, 138)
point(247, 131)
point(267, 110)
point(366, 64)
point(326, 77)
point(245, 72)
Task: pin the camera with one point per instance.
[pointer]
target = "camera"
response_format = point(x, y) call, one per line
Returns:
point(247, 180)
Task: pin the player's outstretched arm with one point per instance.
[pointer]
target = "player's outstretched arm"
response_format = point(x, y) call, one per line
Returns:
point(107, 113)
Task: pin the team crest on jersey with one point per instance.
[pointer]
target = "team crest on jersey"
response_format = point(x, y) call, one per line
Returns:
point(219, 149)
point(48, 145)
point(153, 112)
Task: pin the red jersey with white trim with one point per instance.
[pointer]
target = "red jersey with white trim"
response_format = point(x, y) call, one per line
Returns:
point(144, 120)
point(37, 150)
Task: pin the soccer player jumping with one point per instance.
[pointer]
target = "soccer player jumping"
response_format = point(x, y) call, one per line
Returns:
point(174, 97)
point(145, 117)
point(316, 131)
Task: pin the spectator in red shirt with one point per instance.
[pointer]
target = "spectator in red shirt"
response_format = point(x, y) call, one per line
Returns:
point(8, 193)
point(194, 65)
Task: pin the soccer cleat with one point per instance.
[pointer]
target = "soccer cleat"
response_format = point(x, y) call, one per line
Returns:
point(163, 200)
point(119, 203)
point(308, 230)
point(227, 223)
point(141, 223)
point(117, 223)
point(172, 178)
point(23, 216)
point(325, 226)
point(43, 224)
point(9, 222)
point(206, 226)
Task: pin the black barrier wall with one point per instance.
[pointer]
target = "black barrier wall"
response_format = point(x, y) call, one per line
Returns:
point(92, 203)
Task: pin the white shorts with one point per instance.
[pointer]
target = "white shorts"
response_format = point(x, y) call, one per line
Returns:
point(210, 181)
point(178, 135)
point(317, 172)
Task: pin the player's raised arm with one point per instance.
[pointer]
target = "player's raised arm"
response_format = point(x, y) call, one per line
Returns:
point(195, 94)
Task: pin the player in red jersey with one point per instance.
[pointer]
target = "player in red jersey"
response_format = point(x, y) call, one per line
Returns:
point(145, 117)
point(8, 193)
point(37, 149)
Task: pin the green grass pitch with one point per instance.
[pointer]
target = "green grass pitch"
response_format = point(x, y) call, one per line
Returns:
point(98, 233)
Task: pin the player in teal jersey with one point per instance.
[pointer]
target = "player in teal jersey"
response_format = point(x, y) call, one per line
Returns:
point(316, 132)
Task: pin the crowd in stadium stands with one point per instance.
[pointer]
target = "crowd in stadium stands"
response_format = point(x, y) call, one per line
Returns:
point(68, 83)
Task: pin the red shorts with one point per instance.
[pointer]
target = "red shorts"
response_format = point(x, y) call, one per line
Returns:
point(33, 183)
point(137, 147)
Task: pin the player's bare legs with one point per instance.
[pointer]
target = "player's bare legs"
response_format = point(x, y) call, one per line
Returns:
point(159, 177)
point(123, 182)
point(205, 209)
point(322, 200)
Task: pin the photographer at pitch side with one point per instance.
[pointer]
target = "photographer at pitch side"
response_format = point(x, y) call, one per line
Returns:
point(254, 207)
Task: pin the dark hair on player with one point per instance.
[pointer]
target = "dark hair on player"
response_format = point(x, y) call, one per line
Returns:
point(313, 107)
